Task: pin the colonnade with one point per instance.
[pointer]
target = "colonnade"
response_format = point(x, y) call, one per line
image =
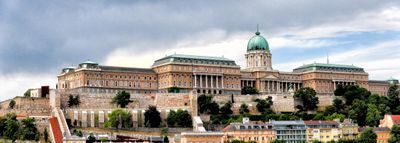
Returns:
point(275, 86)
point(211, 84)
point(343, 83)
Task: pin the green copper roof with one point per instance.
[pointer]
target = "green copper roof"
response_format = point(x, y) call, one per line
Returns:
point(392, 80)
point(179, 58)
point(257, 42)
point(328, 67)
point(197, 57)
point(89, 62)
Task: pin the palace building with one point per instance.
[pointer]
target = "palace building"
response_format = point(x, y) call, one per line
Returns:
point(214, 75)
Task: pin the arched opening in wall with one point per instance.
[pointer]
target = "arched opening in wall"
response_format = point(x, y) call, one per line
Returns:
point(198, 90)
point(214, 92)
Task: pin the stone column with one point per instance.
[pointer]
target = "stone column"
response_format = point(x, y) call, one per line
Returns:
point(201, 81)
point(273, 85)
point(222, 80)
point(206, 81)
point(75, 117)
point(101, 117)
point(135, 122)
point(286, 88)
point(278, 83)
point(92, 120)
point(195, 80)
point(262, 88)
point(334, 85)
point(212, 82)
point(217, 77)
point(84, 119)
point(268, 89)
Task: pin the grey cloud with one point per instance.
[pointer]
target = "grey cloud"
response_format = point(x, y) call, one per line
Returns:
point(46, 35)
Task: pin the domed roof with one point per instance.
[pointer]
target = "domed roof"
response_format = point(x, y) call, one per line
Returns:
point(392, 80)
point(257, 42)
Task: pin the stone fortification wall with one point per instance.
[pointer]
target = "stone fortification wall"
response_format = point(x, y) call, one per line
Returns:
point(172, 100)
point(282, 102)
point(139, 101)
point(324, 101)
point(27, 106)
point(104, 102)
point(97, 117)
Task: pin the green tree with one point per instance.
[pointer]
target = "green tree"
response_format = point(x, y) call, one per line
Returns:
point(393, 98)
point(206, 105)
point(374, 99)
point(353, 92)
point(11, 104)
point(347, 141)
point(308, 96)
point(239, 141)
point(27, 93)
point(29, 130)
point(264, 105)
point(277, 141)
point(249, 90)
point(367, 136)
point(79, 133)
point(70, 101)
point(213, 108)
point(338, 104)
point(319, 116)
point(330, 110)
point(91, 138)
point(164, 132)
point(358, 112)
point(226, 109)
point(152, 117)
point(243, 109)
point(2, 125)
point(73, 101)
point(171, 119)
point(179, 118)
point(166, 140)
point(12, 127)
point(183, 118)
point(122, 99)
point(373, 115)
point(46, 135)
point(334, 116)
point(174, 89)
point(340, 90)
point(119, 119)
point(394, 134)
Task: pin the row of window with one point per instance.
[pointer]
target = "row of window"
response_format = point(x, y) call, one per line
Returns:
point(109, 91)
point(255, 138)
point(120, 83)
point(121, 76)
point(321, 137)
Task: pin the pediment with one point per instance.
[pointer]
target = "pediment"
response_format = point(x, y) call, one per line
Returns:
point(270, 77)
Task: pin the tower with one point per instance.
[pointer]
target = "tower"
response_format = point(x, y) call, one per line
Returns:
point(258, 56)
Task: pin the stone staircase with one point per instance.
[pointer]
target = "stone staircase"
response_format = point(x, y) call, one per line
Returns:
point(62, 122)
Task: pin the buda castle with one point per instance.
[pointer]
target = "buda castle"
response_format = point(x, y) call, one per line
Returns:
point(214, 75)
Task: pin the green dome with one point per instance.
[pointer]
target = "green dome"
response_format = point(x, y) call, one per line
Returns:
point(393, 80)
point(257, 42)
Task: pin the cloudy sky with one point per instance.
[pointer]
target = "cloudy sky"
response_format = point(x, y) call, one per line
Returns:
point(38, 38)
